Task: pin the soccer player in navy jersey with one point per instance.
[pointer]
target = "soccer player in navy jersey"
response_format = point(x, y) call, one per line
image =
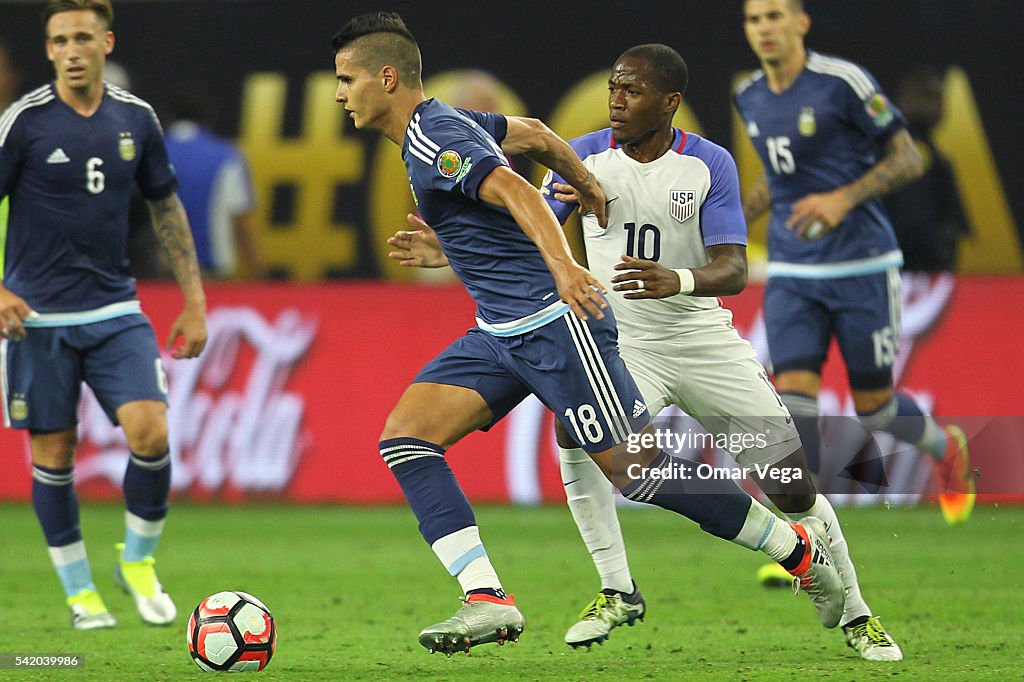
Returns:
point(833, 261)
point(674, 242)
point(70, 154)
point(542, 328)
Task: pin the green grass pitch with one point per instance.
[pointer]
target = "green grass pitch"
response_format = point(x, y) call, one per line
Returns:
point(350, 589)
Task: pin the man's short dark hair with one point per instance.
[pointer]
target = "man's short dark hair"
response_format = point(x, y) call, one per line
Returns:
point(103, 9)
point(665, 66)
point(382, 39)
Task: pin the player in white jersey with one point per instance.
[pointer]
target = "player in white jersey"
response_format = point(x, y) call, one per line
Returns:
point(674, 211)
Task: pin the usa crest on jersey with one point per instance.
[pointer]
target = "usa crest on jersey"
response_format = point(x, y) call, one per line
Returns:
point(682, 203)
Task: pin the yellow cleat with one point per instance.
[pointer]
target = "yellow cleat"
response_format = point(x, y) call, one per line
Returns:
point(88, 612)
point(955, 479)
point(138, 578)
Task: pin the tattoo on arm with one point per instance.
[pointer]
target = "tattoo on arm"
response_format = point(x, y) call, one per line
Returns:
point(170, 223)
point(901, 164)
point(757, 200)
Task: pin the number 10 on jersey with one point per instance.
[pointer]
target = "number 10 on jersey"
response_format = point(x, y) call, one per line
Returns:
point(644, 242)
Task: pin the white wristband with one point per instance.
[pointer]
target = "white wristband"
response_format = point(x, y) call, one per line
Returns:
point(686, 283)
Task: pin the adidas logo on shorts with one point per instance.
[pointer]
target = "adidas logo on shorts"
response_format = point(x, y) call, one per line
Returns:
point(638, 408)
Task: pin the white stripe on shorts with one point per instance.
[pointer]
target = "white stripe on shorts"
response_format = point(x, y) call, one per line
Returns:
point(3, 382)
point(597, 374)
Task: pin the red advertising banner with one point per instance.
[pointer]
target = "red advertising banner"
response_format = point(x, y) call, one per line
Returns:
point(291, 394)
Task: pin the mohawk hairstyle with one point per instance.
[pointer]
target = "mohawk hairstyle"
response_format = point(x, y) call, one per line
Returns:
point(382, 38)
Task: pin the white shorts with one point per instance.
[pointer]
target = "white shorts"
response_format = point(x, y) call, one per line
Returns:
point(714, 376)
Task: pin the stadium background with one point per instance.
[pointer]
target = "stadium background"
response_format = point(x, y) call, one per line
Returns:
point(288, 401)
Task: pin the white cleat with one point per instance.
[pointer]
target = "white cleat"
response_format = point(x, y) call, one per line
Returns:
point(817, 574)
point(604, 614)
point(869, 639)
point(481, 620)
point(138, 578)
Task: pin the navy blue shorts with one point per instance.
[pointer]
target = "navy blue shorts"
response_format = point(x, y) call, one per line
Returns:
point(43, 373)
point(572, 366)
point(862, 313)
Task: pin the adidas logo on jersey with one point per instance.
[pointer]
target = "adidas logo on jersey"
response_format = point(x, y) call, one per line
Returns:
point(638, 408)
point(58, 156)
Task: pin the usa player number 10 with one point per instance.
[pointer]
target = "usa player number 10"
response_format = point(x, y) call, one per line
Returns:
point(643, 243)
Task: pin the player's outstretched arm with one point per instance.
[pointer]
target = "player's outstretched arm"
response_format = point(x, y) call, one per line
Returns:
point(817, 214)
point(725, 275)
point(418, 247)
point(172, 230)
point(531, 137)
point(576, 286)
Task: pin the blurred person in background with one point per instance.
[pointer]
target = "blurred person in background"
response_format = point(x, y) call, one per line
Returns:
point(818, 123)
point(927, 214)
point(10, 77)
point(71, 153)
point(216, 189)
point(10, 81)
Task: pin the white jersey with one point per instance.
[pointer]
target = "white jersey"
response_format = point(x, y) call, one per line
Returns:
point(668, 210)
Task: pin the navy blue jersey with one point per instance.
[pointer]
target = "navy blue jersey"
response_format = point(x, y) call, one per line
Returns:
point(447, 154)
point(70, 181)
point(821, 133)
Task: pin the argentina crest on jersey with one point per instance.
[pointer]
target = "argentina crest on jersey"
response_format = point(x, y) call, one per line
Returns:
point(682, 204)
point(126, 146)
point(806, 123)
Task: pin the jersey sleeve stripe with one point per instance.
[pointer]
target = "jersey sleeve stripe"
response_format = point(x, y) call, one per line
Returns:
point(127, 97)
point(748, 81)
point(33, 99)
point(427, 142)
point(419, 149)
point(420, 155)
point(847, 71)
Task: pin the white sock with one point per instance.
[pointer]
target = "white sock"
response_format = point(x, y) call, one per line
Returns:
point(855, 604)
point(463, 554)
point(766, 532)
point(591, 499)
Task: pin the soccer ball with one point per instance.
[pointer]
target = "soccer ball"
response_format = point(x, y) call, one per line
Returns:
point(231, 631)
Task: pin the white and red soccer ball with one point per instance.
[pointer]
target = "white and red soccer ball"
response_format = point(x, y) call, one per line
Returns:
point(231, 631)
